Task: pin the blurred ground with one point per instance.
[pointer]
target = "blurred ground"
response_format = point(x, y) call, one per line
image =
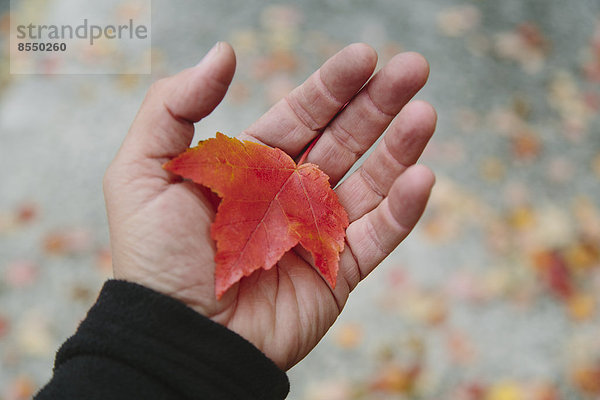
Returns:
point(496, 294)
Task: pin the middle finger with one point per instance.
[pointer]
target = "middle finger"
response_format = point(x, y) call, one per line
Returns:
point(367, 116)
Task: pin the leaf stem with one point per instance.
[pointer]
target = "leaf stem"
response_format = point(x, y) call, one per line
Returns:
point(305, 154)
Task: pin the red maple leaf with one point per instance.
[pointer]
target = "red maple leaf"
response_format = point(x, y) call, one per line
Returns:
point(269, 205)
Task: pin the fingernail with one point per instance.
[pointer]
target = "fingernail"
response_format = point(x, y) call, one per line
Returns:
point(211, 53)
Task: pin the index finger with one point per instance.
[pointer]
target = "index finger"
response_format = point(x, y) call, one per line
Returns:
point(300, 116)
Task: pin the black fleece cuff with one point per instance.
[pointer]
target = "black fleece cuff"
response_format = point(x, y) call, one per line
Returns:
point(143, 343)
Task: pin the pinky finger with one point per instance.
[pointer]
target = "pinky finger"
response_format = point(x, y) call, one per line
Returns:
point(374, 236)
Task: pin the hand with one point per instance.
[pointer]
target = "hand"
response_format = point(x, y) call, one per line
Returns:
point(159, 224)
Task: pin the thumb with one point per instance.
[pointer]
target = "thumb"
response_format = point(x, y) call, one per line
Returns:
point(164, 125)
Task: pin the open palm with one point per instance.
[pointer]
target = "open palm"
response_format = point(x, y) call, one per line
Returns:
point(160, 224)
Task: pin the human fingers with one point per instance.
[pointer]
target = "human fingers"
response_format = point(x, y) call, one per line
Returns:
point(296, 119)
point(400, 148)
point(164, 126)
point(375, 235)
point(367, 116)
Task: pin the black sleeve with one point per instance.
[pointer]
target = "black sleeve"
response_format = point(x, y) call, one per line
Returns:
point(136, 343)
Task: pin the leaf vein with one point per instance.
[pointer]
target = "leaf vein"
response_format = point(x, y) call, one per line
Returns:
point(243, 250)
